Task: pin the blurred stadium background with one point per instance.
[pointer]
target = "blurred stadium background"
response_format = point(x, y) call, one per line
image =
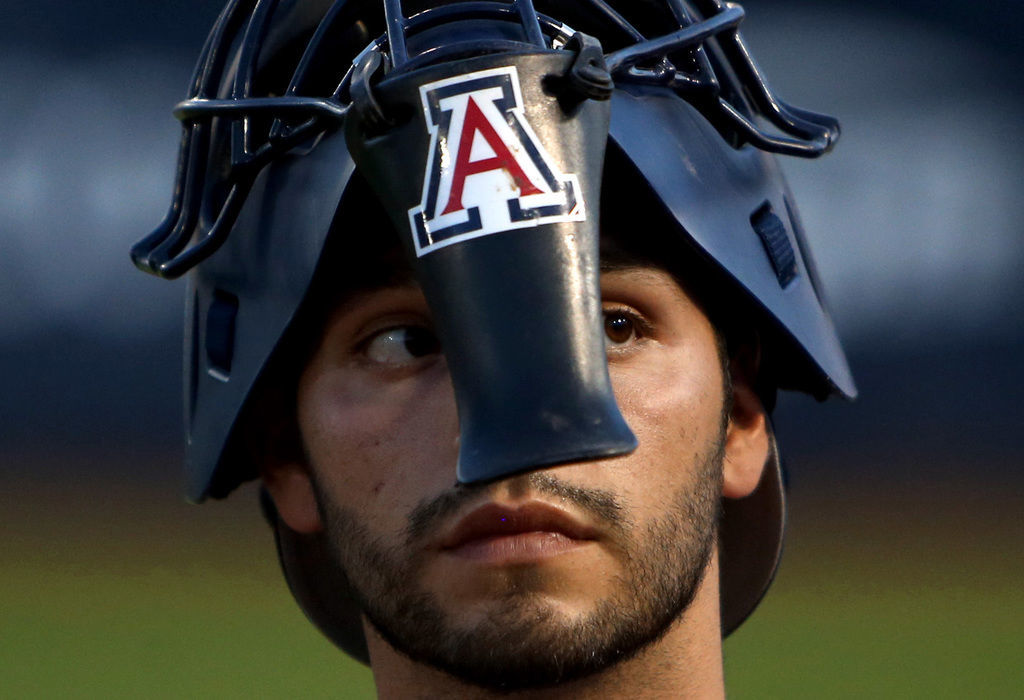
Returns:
point(903, 571)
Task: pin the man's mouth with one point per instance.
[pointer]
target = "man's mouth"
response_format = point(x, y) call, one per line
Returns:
point(496, 533)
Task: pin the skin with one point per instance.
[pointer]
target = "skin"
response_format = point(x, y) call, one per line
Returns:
point(380, 433)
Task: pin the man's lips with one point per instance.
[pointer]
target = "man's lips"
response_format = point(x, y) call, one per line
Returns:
point(527, 531)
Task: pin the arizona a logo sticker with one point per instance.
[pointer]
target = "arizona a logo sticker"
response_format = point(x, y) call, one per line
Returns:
point(486, 172)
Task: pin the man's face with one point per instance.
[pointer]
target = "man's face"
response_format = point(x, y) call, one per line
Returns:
point(545, 576)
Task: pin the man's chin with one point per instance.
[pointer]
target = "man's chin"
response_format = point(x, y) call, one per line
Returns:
point(534, 636)
point(517, 615)
point(523, 641)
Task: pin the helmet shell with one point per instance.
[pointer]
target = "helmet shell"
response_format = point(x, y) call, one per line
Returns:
point(685, 116)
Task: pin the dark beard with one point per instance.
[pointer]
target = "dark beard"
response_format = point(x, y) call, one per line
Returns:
point(524, 643)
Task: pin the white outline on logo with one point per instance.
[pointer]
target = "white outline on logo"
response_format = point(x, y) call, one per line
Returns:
point(491, 200)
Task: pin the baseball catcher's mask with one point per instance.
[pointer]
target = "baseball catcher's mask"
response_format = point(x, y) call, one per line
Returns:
point(482, 128)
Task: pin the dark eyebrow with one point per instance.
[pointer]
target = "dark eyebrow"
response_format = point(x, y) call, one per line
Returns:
point(620, 265)
point(615, 258)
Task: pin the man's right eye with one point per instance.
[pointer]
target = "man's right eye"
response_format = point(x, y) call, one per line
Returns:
point(401, 345)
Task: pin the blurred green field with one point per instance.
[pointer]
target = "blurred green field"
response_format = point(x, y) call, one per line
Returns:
point(111, 587)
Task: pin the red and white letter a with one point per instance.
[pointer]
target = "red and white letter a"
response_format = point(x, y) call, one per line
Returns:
point(475, 123)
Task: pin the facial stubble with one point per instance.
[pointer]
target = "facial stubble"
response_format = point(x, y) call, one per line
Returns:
point(524, 641)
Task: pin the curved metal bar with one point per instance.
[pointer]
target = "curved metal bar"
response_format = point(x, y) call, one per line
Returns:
point(825, 121)
point(618, 20)
point(395, 22)
point(252, 42)
point(288, 140)
point(480, 9)
point(680, 12)
point(166, 251)
point(474, 9)
point(809, 125)
point(668, 76)
point(530, 22)
point(314, 106)
point(212, 39)
point(673, 79)
point(184, 211)
point(195, 177)
point(141, 251)
point(249, 53)
point(438, 15)
point(687, 83)
point(708, 81)
point(664, 71)
point(282, 133)
point(782, 145)
point(313, 45)
point(179, 236)
point(172, 267)
point(221, 37)
point(172, 258)
point(344, 85)
point(803, 133)
point(658, 47)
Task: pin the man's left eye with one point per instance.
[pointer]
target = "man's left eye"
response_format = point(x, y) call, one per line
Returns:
point(402, 345)
point(620, 328)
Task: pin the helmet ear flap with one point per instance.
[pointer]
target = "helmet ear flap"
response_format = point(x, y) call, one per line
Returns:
point(318, 585)
point(747, 561)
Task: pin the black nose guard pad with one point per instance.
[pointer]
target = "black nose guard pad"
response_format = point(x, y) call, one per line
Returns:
point(518, 311)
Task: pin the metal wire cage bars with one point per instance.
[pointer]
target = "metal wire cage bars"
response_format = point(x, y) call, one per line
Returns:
point(702, 34)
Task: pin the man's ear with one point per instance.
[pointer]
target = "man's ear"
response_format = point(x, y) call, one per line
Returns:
point(747, 440)
point(288, 483)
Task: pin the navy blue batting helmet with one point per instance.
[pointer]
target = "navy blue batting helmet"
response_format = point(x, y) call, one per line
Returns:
point(299, 108)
